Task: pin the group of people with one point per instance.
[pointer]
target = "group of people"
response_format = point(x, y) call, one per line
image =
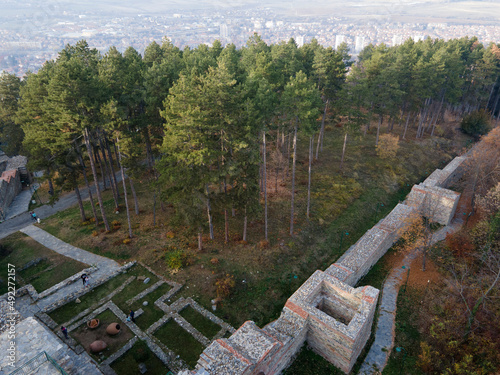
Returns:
point(85, 280)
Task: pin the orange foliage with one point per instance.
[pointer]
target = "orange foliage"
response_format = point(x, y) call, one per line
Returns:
point(460, 244)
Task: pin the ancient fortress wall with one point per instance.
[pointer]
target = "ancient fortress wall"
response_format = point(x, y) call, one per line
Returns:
point(327, 312)
point(10, 186)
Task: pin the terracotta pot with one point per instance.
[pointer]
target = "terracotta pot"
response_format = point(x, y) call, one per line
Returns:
point(113, 329)
point(98, 346)
point(94, 323)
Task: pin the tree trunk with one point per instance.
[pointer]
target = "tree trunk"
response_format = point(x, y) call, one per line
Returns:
point(288, 156)
point(245, 225)
point(367, 127)
point(134, 194)
point(94, 211)
point(210, 224)
point(124, 190)
point(406, 125)
point(51, 187)
point(276, 181)
point(98, 160)
point(343, 151)
point(309, 179)
point(154, 209)
point(391, 125)
point(265, 182)
point(116, 155)
point(489, 97)
point(321, 130)
point(114, 187)
point(80, 204)
point(147, 141)
point(200, 240)
point(293, 174)
point(226, 227)
point(420, 123)
point(96, 181)
point(261, 171)
point(112, 168)
point(438, 114)
point(495, 108)
point(381, 118)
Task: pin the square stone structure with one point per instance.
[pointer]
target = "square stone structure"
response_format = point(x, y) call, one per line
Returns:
point(434, 202)
point(339, 317)
point(334, 318)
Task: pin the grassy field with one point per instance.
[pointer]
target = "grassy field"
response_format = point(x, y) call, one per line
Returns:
point(139, 353)
point(206, 327)
point(151, 313)
point(180, 341)
point(18, 249)
point(407, 337)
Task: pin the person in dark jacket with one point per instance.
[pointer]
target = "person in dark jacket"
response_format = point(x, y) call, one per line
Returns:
point(64, 330)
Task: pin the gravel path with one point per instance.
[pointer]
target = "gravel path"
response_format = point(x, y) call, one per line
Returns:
point(377, 357)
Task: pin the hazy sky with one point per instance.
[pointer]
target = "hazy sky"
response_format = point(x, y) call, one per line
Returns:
point(472, 11)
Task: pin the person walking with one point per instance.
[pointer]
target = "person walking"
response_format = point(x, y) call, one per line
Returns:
point(84, 277)
point(132, 314)
point(64, 330)
point(87, 281)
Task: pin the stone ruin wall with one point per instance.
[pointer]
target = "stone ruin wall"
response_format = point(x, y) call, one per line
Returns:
point(10, 180)
point(10, 186)
point(327, 312)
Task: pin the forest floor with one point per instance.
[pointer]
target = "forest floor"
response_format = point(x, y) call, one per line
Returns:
point(350, 201)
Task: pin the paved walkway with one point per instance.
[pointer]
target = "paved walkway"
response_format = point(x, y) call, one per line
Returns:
point(105, 265)
point(377, 357)
point(23, 219)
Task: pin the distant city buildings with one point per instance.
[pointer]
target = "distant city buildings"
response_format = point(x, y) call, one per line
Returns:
point(224, 34)
point(339, 39)
point(27, 48)
point(359, 44)
point(397, 40)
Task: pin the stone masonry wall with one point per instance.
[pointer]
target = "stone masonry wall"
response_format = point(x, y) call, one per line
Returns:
point(334, 318)
point(10, 186)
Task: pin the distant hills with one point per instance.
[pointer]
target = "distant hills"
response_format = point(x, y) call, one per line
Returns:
point(408, 10)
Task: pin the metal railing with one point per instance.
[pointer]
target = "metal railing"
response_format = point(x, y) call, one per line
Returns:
point(35, 362)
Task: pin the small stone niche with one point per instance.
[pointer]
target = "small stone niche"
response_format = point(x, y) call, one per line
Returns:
point(341, 313)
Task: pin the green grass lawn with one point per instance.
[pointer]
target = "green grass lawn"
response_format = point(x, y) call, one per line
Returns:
point(68, 311)
point(18, 249)
point(128, 364)
point(151, 313)
point(407, 335)
point(308, 362)
point(207, 328)
point(180, 341)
